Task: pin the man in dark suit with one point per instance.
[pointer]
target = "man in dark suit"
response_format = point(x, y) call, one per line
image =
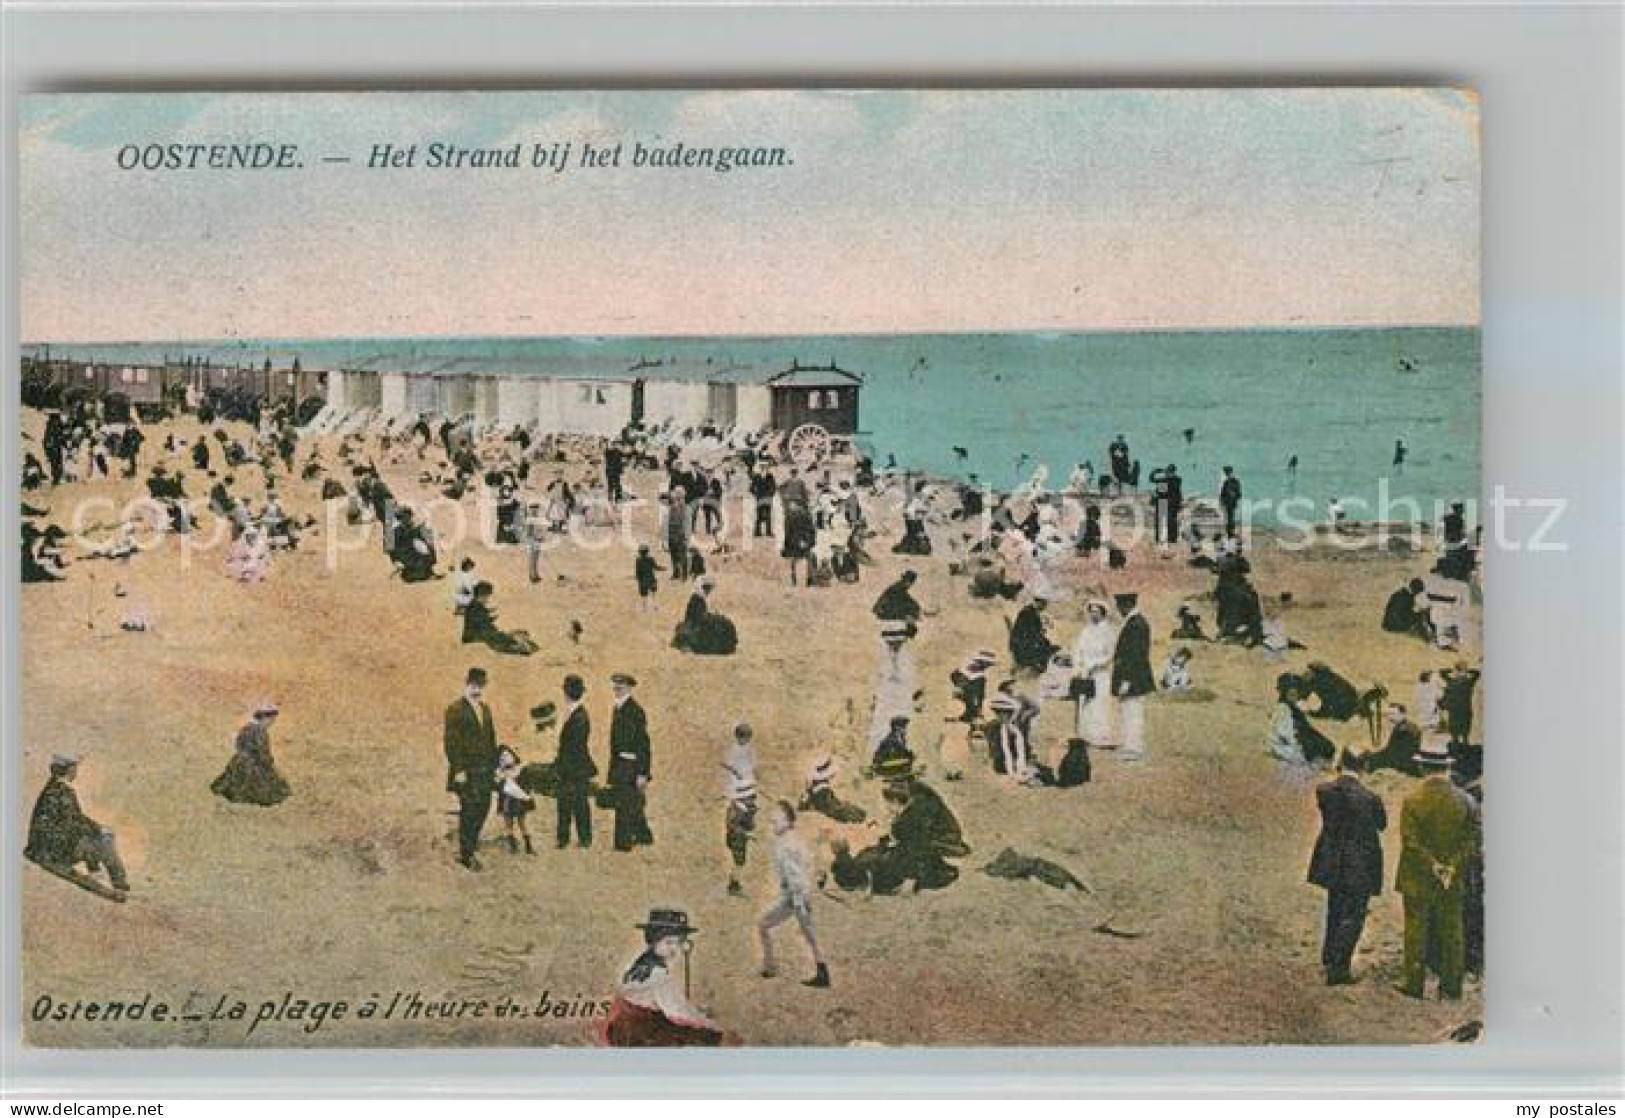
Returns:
point(574, 767)
point(471, 764)
point(1131, 675)
point(629, 767)
point(1347, 863)
point(1230, 499)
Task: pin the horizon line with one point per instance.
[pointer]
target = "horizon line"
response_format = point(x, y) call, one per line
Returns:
point(1275, 328)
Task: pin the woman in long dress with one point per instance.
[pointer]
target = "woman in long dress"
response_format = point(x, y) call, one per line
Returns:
point(1092, 659)
point(251, 776)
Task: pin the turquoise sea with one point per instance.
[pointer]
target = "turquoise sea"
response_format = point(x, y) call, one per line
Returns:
point(1337, 399)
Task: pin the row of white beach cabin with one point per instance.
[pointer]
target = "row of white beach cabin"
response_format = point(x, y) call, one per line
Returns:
point(592, 400)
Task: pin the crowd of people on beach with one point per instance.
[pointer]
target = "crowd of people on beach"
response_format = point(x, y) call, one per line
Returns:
point(883, 826)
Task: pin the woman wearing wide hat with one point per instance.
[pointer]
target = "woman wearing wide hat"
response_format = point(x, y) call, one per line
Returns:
point(251, 775)
point(650, 1009)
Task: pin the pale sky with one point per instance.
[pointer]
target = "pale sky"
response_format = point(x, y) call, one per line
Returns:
point(902, 211)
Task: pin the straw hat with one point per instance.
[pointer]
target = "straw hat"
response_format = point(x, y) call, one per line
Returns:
point(668, 922)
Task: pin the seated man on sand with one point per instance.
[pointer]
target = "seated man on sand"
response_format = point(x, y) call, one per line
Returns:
point(1397, 754)
point(480, 626)
point(1407, 612)
point(61, 835)
point(924, 835)
point(411, 548)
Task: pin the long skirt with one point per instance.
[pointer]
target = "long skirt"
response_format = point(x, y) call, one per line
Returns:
point(1095, 715)
point(634, 1026)
point(250, 780)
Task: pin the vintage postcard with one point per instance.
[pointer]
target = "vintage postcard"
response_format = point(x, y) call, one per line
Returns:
point(751, 567)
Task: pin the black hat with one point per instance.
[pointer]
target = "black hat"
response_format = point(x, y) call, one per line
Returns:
point(668, 922)
point(624, 679)
point(476, 675)
point(544, 715)
point(1129, 600)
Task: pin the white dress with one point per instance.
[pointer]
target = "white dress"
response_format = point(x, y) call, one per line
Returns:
point(1283, 736)
point(1092, 656)
point(894, 693)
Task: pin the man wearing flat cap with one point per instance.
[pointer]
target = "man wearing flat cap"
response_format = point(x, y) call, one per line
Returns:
point(61, 835)
point(471, 764)
point(629, 765)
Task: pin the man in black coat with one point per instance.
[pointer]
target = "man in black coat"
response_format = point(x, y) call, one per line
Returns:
point(614, 468)
point(1131, 675)
point(574, 767)
point(55, 442)
point(1457, 702)
point(629, 766)
point(1347, 863)
point(762, 488)
point(1230, 499)
point(1170, 500)
point(471, 764)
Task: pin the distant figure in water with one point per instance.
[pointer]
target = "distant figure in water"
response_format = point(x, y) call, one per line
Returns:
point(1400, 451)
point(1292, 472)
point(1118, 455)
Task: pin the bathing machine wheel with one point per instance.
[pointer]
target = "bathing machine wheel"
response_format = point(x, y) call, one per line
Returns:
point(809, 444)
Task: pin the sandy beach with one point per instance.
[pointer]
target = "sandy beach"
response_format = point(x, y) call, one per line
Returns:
point(349, 890)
